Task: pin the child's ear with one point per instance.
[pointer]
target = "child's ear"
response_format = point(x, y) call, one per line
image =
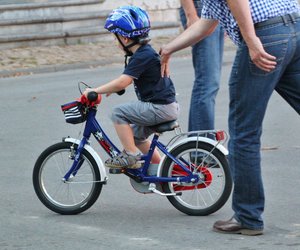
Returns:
point(126, 40)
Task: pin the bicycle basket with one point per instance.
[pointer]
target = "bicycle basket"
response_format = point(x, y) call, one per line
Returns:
point(74, 112)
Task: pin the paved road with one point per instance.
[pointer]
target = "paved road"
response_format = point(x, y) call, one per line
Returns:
point(123, 219)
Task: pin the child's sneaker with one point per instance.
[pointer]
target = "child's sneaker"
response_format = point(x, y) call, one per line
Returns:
point(124, 160)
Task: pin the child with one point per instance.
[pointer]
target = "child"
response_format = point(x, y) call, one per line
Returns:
point(156, 95)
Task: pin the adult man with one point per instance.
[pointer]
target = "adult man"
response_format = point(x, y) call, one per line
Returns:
point(207, 62)
point(267, 33)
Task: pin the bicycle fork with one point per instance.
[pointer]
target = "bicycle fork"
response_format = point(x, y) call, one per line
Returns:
point(77, 163)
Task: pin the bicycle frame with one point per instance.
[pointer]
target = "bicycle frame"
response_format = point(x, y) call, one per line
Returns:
point(93, 127)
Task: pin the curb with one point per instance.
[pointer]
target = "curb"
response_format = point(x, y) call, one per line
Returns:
point(55, 68)
point(227, 59)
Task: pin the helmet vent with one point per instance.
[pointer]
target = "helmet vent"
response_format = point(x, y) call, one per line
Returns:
point(133, 14)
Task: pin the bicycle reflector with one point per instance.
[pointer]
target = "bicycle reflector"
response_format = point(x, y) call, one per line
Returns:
point(220, 135)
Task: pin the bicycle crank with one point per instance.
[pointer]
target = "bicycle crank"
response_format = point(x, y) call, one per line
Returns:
point(152, 188)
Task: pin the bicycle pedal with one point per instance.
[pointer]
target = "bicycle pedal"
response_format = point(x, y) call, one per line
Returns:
point(116, 170)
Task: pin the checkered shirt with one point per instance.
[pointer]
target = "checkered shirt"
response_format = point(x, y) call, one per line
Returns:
point(261, 10)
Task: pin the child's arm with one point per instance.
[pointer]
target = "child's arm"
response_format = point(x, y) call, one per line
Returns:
point(113, 86)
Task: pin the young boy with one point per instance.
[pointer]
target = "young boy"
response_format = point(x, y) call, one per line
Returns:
point(156, 95)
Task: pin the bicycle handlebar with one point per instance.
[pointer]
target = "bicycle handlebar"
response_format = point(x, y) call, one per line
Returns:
point(92, 96)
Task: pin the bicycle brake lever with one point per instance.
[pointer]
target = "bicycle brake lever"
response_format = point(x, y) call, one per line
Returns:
point(86, 85)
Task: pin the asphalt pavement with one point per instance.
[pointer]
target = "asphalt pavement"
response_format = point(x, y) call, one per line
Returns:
point(122, 218)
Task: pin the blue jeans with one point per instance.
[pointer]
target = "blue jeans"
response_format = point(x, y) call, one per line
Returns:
point(207, 62)
point(250, 91)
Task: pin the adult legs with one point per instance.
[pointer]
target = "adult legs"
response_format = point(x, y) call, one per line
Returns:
point(247, 109)
point(207, 62)
point(289, 84)
point(250, 91)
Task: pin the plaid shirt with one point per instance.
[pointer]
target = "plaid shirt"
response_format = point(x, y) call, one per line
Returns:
point(261, 10)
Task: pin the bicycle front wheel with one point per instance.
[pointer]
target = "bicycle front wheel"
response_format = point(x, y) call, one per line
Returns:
point(73, 196)
point(212, 190)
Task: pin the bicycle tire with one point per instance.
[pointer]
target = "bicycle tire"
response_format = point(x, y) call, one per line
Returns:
point(197, 198)
point(74, 196)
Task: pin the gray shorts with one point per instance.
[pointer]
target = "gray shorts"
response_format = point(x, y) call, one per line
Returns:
point(140, 115)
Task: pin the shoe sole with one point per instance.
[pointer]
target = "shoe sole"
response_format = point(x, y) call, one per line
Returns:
point(135, 166)
point(249, 232)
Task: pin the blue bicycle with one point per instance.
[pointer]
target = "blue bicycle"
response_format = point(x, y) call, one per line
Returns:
point(193, 173)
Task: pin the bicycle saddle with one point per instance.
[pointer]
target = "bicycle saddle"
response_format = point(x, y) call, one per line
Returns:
point(166, 126)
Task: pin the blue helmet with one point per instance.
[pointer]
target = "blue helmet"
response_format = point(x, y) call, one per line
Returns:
point(128, 21)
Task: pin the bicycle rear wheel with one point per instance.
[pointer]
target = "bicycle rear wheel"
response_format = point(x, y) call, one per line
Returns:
point(73, 196)
point(212, 191)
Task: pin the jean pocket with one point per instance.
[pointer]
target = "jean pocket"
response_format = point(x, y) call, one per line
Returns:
point(277, 49)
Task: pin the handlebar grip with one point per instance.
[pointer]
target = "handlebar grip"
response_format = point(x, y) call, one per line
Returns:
point(121, 92)
point(92, 96)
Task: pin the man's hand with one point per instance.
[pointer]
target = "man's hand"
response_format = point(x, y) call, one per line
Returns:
point(165, 58)
point(241, 11)
point(260, 57)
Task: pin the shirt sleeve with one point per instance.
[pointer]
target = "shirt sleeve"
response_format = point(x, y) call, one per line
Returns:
point(205, 13)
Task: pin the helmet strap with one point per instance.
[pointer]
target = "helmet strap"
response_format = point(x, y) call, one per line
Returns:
point(128, 52)
point(126, 48)
point(126, 60)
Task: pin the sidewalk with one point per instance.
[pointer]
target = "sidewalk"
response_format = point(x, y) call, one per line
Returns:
point(32, 60)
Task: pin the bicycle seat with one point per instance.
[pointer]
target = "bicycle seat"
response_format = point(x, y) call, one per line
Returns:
point(166, 126)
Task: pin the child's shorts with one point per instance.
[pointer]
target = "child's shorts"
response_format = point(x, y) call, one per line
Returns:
point(140, 115)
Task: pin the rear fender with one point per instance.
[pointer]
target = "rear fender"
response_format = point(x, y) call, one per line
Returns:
point(188, 139)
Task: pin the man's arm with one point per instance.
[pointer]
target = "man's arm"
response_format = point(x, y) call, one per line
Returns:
point(190, 11)
point(241, 12)
point(192, 35)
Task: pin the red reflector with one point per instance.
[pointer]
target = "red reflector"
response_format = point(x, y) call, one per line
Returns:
point(220, 135)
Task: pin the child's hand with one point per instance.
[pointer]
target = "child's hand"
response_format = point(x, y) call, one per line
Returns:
point(87, 90)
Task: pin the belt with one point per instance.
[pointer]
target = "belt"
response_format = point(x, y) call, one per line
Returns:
point(288, 18)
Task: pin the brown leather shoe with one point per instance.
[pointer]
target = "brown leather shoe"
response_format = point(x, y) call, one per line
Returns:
point(232, 226)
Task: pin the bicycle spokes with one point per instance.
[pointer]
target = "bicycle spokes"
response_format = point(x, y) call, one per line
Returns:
point(204, 177)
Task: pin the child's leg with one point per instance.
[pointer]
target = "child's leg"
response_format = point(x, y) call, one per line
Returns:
point(125, 134)
point(130, 157)
point(144, 147)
